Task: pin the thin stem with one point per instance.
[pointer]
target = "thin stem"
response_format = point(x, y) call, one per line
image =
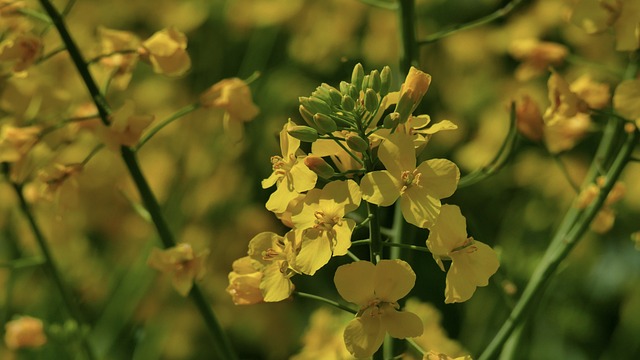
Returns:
point(103, 56)
point(415, 346)
point(352, 256)
point(375, 247)
point(346, 149)
point(93, 153)
point(50, 263)
point(325, 300)
point(381, 4)
point(24, 263)
point(35, 14)
point(562, 243)
point(407, 246)
point(504, 11)
point(177, 115)
point(565, 172)
point(361, 242)
point(51, 54)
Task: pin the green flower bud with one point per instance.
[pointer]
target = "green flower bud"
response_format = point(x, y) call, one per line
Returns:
point(306, 115)
point(375, 81)
point(336, 96)
point(405, 106)
point(344, 87)
point(303, 133)
point(371, 100)
point(322, 93)
point(347, 103)
point(391, 120)
point(319, 166)
point(357, 76)
point(324, 123)
point(315, 105)
point(385, 81)
point(357, 143)
point(365, 83)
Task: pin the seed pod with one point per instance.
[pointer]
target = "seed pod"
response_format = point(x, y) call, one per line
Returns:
point(385, 81)
point(324, 123)
point(347, 103)
point(357, 76)
point(357, 143)
point(371, 100)
point(303, 133)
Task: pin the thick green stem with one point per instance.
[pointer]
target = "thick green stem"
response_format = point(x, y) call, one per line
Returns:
point(562, 243)
point(221, 344)
point(409, 48)
point(50, 263)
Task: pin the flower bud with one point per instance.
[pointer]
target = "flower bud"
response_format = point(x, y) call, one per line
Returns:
point(371, 100)
point(374, 80)
point(357, 76)
point(391, 120)
point(319, 166)
point(336, 96)
point(303, 133)
point(324, 123)
point(353, 92)
point(315, 105)
point(357, 143)
point(306, 115)
point(322, 93)
point(404, 107)
point(385, 81)
point(344, 87)
point(347, 103)
point(365, 83)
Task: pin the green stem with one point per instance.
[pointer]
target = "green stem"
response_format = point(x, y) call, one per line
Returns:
point(562, 243)
point(565, 172)
point(221, 344)
point(406, 246)
point(24, 263)
point(478, 22)
point(325, 300)
point(177, 115)
point(51, 54)
point(50, 263)
point(104, 56)
point(375, 247)
point(346, 149)
point(381, 4)
point(409, 49)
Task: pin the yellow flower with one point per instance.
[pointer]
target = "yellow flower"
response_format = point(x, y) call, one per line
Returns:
point(55, 177)
point(16, 142)
point(275, 259)
point(325, 231)
point(181, 263)
point(420, 129)
point(536, 56)
point(20, 52)
point(323, 338)
point(564, 102)
point(419, 189)
point(113, 41)
point(595, 94)
point(244, 282)
point(376, 289)
point(529, 119)
point(596, 16)
point(472, 262)
point(125, 128)
point(290, 173)
point(234, 97)
point(412, 91)
point(626, 99)
point(166, 51)
point(433, 355)
point(24, 332)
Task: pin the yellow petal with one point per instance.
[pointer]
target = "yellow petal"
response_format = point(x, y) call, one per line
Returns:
point(364, 335)
point(419, 207)
point(439, 177)
point(315, 251)
point(449, 231)
point(303, 178)
point(398, 154)
point(471, 267)
point(380, 188)
point(343, 237)
point(393, 280)
point(626, 100)
point(401, 324)
point(280, 199)
point(275, 285)
point(355, 282)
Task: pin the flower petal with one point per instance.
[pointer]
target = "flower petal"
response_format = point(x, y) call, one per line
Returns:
point(398, 154)
point(449, 231)
point(440, 177)
point(303, 178)
point(401, 324)
point(340, 196)
point(315, 251)
point(354, 282)
point(280, 199)
point(393, 279)
point(380, 188)
point(471, 267)
point(419, 208)
point(363, 336)
point(275, 285)
point(343, 237)
point(625, 99)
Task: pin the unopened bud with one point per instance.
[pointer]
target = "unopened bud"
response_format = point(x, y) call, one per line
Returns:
point(324, 123)
point(303, 133)
point(344, 87)
point(385, 81)
point(357, 143)
point(357, 76)
point(306, 115)
point(374, 80)
point(336, 96)
point(371, 100)
point(319, 166)
point(404, 107)
point(353, 92)
point(365, 83)
point(315, 105)
point(391, 120)
point(347, 103)
point(322, 93)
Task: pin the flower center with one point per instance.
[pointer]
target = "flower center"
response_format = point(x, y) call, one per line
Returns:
point(467, 246)
point(376, 307)
point(282, 166)
point(325, 222)
point(409, 178)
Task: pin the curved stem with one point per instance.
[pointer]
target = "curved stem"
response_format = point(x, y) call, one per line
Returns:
point(177, 115)
point(325, 300)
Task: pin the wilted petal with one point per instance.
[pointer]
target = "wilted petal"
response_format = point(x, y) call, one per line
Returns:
point(401, 324)
point(355, 282)
point(380, 188)
point(393, 280)
point(471, 267)
point(363, 336)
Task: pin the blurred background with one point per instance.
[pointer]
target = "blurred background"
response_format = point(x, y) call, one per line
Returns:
point(210, 190)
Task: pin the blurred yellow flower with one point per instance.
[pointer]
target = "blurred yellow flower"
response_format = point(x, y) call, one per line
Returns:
point(376, 289)
point(56, 176)
point(125, 128)
point(181, 263)
point(24, 332)
point(626, 100)
point(434, 355)
point(244, 282)
point(595, 94)
point(166, 52)
point(19, 52)
point(290, 174)
point(275, 259)
point(595, 16)
point(323, 338)
point(419, 189)
point(234, 97)
point(15, 142)
point(529, 119)
point(472, 262)
point(119, 49)
point(325, 231)
point(536, 56)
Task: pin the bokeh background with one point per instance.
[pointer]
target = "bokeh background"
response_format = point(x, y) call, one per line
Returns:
point(210, 187)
